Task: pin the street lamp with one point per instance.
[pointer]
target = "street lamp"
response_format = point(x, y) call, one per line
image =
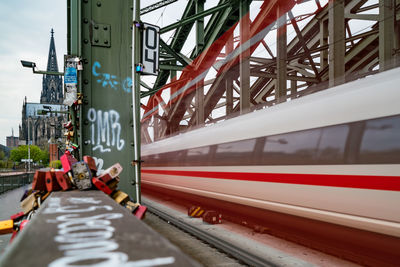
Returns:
point(32, 65)
point(29, 145)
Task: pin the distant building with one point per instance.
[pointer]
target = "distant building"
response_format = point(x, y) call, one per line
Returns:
point(12, 141)
point(45, 129)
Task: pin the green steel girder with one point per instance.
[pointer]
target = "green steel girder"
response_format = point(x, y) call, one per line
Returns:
point(156, 6)
point(178, 40)
point(171, 67)
point(184, 61)
point(192, 19)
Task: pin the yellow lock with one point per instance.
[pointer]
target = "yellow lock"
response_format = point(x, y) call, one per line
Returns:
point(120, 197)
point(131, 206)
point(6, 227)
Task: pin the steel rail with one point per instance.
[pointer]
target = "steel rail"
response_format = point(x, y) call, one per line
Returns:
point(235, 252)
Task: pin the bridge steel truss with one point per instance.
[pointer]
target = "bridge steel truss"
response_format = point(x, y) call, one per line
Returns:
point(233, 68)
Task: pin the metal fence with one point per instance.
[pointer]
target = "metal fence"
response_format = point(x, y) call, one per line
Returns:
point(9, 182)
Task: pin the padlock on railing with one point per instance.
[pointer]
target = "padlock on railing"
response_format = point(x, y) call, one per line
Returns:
point(91, 164)
point(6, 227)
point(82, 175)
point(29, 203)
point(131, 206)
point(63, 180)
point(120, 197)
point(39, 180)
point(113, 183)
point(67, 160)
point(101, 186)
point(140, 212)
point(51, 182)
point(114, 170)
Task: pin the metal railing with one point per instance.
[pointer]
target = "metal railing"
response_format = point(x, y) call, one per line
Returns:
point(9, 182)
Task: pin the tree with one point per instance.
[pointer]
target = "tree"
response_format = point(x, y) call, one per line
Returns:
point(2, 155)
point(21, 152)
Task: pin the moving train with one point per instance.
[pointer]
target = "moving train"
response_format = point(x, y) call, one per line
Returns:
point(332, 156)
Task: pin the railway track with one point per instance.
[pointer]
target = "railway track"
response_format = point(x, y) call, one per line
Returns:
point(242, 251)
point(232, 250)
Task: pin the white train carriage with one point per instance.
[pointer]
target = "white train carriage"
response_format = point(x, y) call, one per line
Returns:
point(332, 156)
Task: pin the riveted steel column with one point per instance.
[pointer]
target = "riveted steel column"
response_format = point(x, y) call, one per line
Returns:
point(199, 97)
point(106, 127)
point(281, 56)
point(136, 99)
point(386, 34)
point(336, 42)
point(244, 57)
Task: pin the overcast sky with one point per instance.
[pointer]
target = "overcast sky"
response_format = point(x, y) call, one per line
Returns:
point(25, 27)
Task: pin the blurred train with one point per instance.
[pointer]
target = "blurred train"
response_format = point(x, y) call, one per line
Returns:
point(332, 156)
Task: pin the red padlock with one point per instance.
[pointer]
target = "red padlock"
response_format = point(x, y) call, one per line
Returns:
point(101, 186)
point(16, 217)
point(105, 177)
point(51, 182)
point(91, 163)
point(67, 160)
point(39, 181)
point(140, 212)
point(63, 180)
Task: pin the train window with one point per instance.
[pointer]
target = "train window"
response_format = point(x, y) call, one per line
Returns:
point(331, 144)
point(197, 156)
point(292, 148)
point(235, 152)
point(381, 141)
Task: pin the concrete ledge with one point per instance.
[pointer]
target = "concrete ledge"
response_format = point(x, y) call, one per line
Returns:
point(89, 228)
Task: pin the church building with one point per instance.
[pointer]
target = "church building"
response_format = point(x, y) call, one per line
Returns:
point(45, 130)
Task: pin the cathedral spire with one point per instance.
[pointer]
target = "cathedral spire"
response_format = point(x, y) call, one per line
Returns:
point(52, 92)
point(52, 60)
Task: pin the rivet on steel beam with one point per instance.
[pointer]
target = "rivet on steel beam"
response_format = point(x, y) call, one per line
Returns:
point(86, 61)
point(85, 20)
point(86, 122)
point(132, 144)
point(86, 41)
point(86, 81)
point(133, 182)
point(96, 40)
point(85, 102)
point(99, 4)
point(105, 28)
point(96, 27)
point(106, 41)
point(87, 142)
point(86, 1)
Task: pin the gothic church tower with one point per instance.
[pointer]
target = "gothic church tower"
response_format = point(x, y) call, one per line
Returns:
point(52, 92)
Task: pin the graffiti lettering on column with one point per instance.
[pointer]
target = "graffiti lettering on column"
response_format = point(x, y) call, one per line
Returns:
point(111, 81)
point(99, 165)
point(105, 130)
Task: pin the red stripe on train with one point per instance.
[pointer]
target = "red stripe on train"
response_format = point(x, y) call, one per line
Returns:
point(352, 181)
